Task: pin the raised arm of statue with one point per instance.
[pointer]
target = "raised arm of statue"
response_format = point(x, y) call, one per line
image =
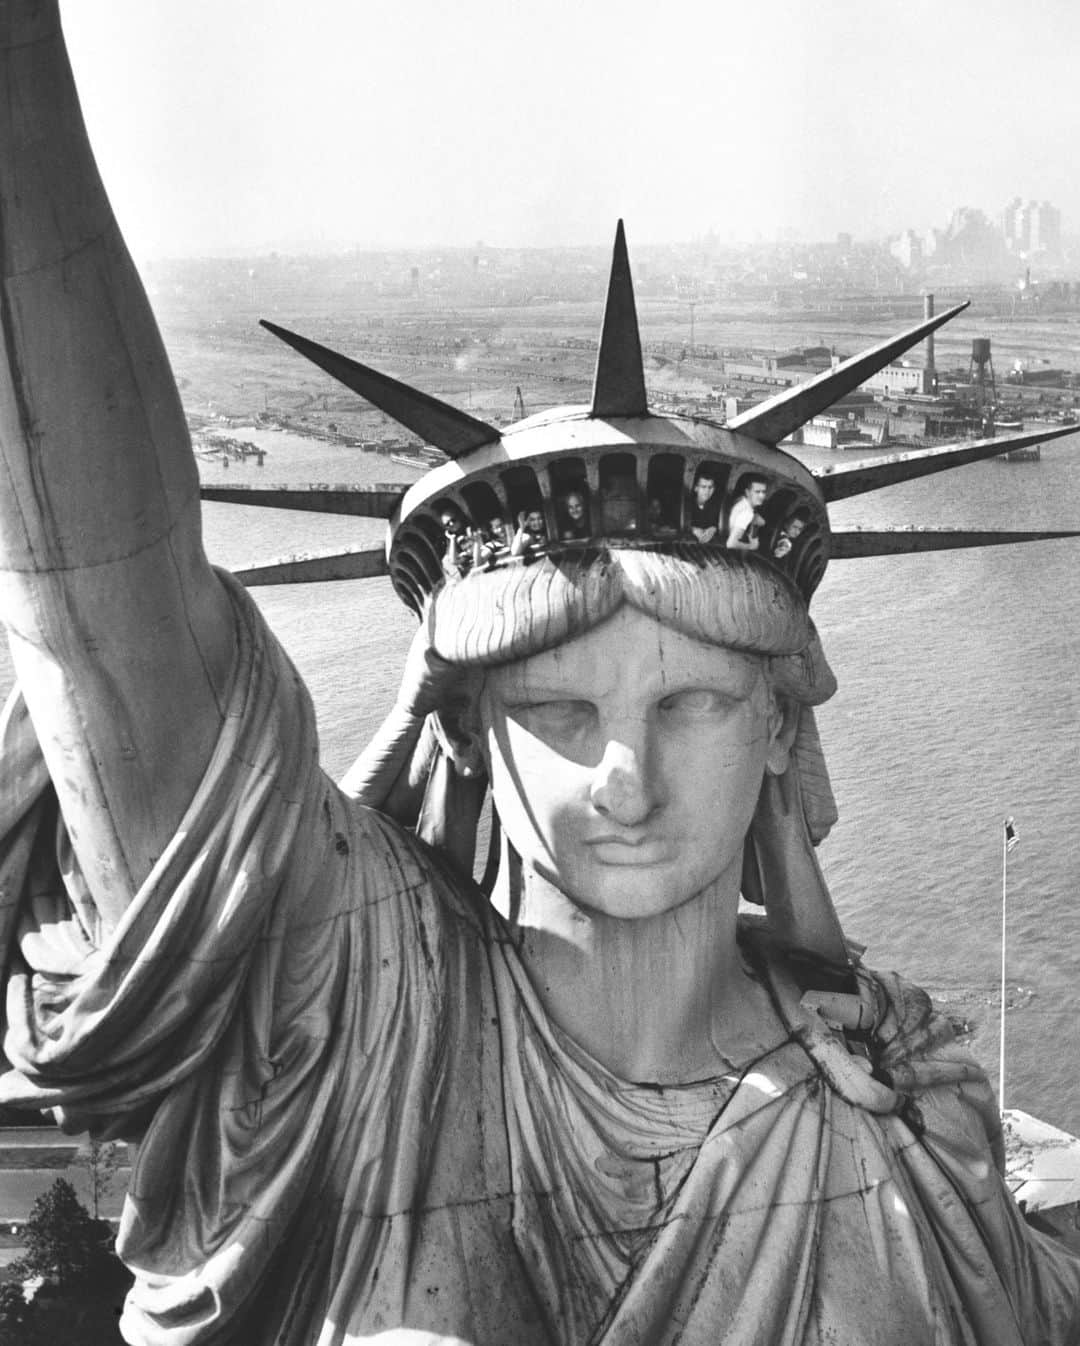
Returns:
point(391, 774)
point(121, 635)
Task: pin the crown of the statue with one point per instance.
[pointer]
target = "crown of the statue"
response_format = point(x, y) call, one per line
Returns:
point(614, 473)
point(569, 479)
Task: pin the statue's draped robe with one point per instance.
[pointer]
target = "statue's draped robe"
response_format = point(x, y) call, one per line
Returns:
point(356, 1119)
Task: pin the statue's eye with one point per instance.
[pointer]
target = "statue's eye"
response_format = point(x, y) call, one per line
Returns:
point(696, 701)
point(552, 719)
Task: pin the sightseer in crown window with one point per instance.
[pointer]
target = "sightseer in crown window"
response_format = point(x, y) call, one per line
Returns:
point(531, 536)
point(491, 542)
point(705, 504)
point(458, 556)
point(744, 519)
point(782, 541)
point(575, 516)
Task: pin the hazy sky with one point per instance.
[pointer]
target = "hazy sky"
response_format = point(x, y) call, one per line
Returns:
point(236, 123)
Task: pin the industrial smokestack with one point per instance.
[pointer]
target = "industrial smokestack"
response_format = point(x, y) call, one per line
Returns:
point(931, 372)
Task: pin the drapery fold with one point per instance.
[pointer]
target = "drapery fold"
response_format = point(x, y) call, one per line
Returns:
point(107, 1026)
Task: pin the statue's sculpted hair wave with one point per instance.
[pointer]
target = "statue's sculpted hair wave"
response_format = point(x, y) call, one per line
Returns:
point(731, 599)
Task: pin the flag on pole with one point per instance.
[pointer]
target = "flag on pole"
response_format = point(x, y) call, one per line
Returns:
point(1012, 837)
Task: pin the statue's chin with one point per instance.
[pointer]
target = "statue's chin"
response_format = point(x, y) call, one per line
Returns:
point(618, 887)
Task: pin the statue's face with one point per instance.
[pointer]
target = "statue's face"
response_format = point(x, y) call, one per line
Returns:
point(626, 764)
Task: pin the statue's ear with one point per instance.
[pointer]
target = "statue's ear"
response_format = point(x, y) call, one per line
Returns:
point(783, 726)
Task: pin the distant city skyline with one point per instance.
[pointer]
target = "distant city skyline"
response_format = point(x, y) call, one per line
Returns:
point(246, 124)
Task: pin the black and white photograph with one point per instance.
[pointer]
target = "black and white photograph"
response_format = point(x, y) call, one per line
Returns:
point(541, 690)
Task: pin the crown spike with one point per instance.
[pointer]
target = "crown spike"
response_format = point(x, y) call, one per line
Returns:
point(849, 479)
point(364, 502)
point(317, 568)
point(849, 543)
point(619, 385)
point(775, 419)
point(436, 422)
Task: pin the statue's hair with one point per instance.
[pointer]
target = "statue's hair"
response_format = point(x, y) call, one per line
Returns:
point(732, 599)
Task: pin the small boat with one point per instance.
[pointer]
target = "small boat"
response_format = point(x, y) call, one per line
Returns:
point(1031, 454)
point(422, 457)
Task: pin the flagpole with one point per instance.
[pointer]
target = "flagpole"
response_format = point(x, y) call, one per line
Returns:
point(1004, 890)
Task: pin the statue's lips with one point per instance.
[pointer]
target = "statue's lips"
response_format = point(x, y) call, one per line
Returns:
point(631, 851)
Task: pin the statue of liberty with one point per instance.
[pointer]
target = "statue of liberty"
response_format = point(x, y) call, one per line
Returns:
point(585, 1101)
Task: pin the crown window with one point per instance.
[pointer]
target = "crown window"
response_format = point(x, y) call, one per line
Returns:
point(618, 494)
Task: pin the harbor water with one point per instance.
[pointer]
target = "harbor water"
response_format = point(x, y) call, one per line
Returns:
point(959, 704)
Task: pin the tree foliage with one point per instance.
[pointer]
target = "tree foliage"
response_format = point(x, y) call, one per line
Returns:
point(64, 1243)
point(18, 1322)
point(83, 1282)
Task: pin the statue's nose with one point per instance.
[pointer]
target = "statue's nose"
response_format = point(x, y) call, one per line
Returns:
point(621, 788)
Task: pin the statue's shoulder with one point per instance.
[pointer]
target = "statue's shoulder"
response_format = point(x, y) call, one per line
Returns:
point(895, 1012)
point(399, 864)
point(876, 1037)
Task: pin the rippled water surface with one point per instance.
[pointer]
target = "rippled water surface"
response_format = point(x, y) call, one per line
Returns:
point(959, 703)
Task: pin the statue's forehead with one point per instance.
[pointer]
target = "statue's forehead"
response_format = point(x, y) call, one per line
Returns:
point(630, 649)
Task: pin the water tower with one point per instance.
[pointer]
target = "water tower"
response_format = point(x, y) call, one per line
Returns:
point(981, 369)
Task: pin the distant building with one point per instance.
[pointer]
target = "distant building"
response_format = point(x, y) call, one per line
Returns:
point(908, 250)
point(900, 381)
point(933, 242)
point(1030, 227)
point(970, 239)
point(821, 433)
